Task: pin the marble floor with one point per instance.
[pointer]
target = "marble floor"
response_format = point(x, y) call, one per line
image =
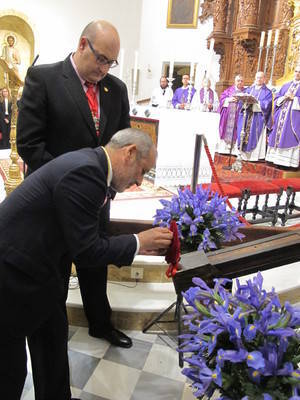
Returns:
point(99, 371)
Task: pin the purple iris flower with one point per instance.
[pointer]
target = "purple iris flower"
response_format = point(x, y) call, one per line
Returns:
point(255, 360)
point(254, 375)
point(233, 356)
point(287, 369)
point(207, 375)
point(250, 332)
point(267, 396)
point(202, 218)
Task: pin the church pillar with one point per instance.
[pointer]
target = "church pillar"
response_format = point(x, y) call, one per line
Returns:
point(248, 13)
point(220, 16)
point(293, 53)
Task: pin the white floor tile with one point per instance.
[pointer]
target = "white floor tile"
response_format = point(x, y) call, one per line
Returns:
point(146, 337)
point(83, 343)
point(75, 392)
point(112, 381)
point(187, 393)
point(162, 360)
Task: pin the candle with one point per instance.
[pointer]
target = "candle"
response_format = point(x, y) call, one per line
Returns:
point(262, 39)
point(276, 37)
point(192, 71)
point(136, 54)
point(269, 38)
point(211, 44)
point(171, 69)
point(121, 65)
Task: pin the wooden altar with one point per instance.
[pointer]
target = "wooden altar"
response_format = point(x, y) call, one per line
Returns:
point(237, 26)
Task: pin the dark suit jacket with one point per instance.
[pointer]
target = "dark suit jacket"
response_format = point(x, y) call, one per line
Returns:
point(54, 116)
point(53, 214)
point(4, 127)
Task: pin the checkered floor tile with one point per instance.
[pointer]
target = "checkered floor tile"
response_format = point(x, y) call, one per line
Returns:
point(149, 370)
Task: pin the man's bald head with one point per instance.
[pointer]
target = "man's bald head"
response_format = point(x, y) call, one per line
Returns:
point(102, 30)
point(98, 39)
point(260, 78)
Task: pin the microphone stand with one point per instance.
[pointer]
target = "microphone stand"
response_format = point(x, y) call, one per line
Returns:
point(228, 167)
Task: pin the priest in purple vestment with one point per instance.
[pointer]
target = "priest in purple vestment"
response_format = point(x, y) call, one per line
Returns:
point(284, 140)
point(258, 121)
point(229, 109)
point(205, 99)
point(183, 95)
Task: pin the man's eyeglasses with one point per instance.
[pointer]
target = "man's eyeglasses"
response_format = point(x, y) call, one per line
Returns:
point(100, 58)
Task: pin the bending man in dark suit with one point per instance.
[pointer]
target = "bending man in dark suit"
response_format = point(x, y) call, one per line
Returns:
point(52, 215)
point(55, 117)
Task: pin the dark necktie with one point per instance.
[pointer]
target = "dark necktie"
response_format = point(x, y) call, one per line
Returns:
point(164, 91)
point(93, 104)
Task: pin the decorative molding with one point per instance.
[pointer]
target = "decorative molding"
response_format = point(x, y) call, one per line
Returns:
point(250, 45)
point(220, 15)
point(248, 12)
point(207, 10)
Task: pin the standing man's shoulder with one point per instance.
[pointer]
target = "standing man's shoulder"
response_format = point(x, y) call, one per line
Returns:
point(113, 82)
point(46, 70)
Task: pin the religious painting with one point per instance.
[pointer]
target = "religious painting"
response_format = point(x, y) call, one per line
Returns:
point(183, 13)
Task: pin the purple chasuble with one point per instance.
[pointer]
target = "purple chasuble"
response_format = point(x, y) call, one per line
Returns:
point(181, 96)
point(255, 122)
point(229, 115)
point(207, 96)
point(286, 129)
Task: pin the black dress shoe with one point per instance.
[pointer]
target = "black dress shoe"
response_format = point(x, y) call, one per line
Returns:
point(113, 336)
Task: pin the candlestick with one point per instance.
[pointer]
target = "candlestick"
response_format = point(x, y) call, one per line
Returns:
point(192, 70)
point(136, 55)
point(269, 38)
point(171, 69)
point(276, 37)
point(262, 39)
point(121, 65)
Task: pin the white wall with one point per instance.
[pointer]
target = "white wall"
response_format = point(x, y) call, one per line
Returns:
point(57, 24)
point(160, 44)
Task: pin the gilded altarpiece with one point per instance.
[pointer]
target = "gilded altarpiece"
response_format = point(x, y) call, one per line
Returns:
point(237, 27)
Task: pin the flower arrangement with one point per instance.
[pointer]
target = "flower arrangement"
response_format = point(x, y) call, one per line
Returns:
point(202, 219)
point(245, 345)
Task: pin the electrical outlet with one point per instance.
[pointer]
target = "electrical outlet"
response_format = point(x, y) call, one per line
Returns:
point(137, 273)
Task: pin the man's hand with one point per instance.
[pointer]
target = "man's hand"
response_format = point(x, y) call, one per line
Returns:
point(155, 241)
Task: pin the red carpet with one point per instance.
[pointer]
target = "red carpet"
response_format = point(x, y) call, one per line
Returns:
point(251, 170)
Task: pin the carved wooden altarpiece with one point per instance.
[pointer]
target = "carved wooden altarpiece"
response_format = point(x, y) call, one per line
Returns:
point(237, 27)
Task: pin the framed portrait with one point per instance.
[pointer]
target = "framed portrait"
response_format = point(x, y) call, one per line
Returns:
point(183, 13)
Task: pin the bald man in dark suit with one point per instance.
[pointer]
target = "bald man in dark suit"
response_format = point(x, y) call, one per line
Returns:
point(57, 115)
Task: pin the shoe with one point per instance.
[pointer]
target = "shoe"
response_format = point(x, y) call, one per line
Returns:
point(113, 336)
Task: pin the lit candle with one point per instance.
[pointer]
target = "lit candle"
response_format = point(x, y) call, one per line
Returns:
point(121, 65)
point(276, 37)
point(262, 39)
point(192, 70)
point(269, 38)
point(171, 69)
point(136, 55)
